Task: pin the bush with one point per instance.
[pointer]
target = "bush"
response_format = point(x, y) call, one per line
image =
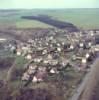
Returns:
point(34, 94)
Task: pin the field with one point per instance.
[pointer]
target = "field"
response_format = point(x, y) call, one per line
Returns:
point(12, 67)
point(82, 18)
point(31, 24)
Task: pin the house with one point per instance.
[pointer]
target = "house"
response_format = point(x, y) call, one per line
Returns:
point(59, 49)
point(64, 63)
point(25, 77)
point(49, 56)
point(3, 39)
point(90, 44)
point(51, 38)
point(42, 69)
point(32, 67)
point(45, 61)
point(47, 43)
point(38, 60)
point(53, 71)
point(63, 43)
point(44, 51)
point(76, 57)
point(91, 33)
point(34, 80)
point(58, 44)
point(95, 48)
point(51, 45)
point(71, 47)
point(24, 48)
point(84, 61)
point(53, 62)
point(81, 45)
point(30, 41)
point(31, 71)
point(40, 75)
point(13, 48)
point(28, 56)
point(87, 55)
point(18, 52)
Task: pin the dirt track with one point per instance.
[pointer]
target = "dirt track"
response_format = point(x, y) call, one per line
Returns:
point(91, 90)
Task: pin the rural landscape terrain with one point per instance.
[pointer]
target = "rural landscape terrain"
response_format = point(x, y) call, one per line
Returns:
point(49, 54)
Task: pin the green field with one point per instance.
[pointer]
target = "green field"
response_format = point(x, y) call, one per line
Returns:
point(82, 18)
point(31, 24)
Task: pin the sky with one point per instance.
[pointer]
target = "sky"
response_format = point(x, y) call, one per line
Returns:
point(33, 4)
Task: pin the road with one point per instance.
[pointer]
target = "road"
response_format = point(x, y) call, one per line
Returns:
point(92, 83)
point(87, 85)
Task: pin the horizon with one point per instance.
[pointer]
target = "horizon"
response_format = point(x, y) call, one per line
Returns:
point(48, 4)
point(45, 8)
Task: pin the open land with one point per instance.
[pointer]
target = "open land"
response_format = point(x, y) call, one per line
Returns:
point(45, 54)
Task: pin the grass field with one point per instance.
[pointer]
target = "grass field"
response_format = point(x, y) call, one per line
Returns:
point(82, 18)
point(31, 24)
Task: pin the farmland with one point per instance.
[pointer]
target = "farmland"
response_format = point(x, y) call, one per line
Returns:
point(53, 22)
point(31, 24)
point(82, 18)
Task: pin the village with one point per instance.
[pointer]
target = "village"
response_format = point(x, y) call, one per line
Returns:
point(52, 55)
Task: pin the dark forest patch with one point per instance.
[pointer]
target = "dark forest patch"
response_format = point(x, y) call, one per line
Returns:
point(26, 94)
point(59, 24)
point(1, 83)
point(35, 94)
point(6, 62)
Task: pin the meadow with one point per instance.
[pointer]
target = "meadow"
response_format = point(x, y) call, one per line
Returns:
point(82, 18)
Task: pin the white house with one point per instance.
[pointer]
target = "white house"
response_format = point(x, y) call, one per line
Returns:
point(3, 39)
point(49, 56)
point(34, 80)
point(44, 52)
point(53, 71)
point(46, 61)
point(18, 52)
point(87, 55)
point(59, 49)
point(25, 77)
point(71, 47)
point(81, 45)
point(28, 57)
point(53, 62)
point(32, 67)
point(38, 60)
point(84, 61)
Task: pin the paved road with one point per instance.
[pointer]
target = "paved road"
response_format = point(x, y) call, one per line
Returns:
point(92, 84)
point(85, 83)
point(80, 88)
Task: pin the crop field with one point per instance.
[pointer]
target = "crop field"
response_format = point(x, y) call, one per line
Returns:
point(82, 18)
point(31, 24)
